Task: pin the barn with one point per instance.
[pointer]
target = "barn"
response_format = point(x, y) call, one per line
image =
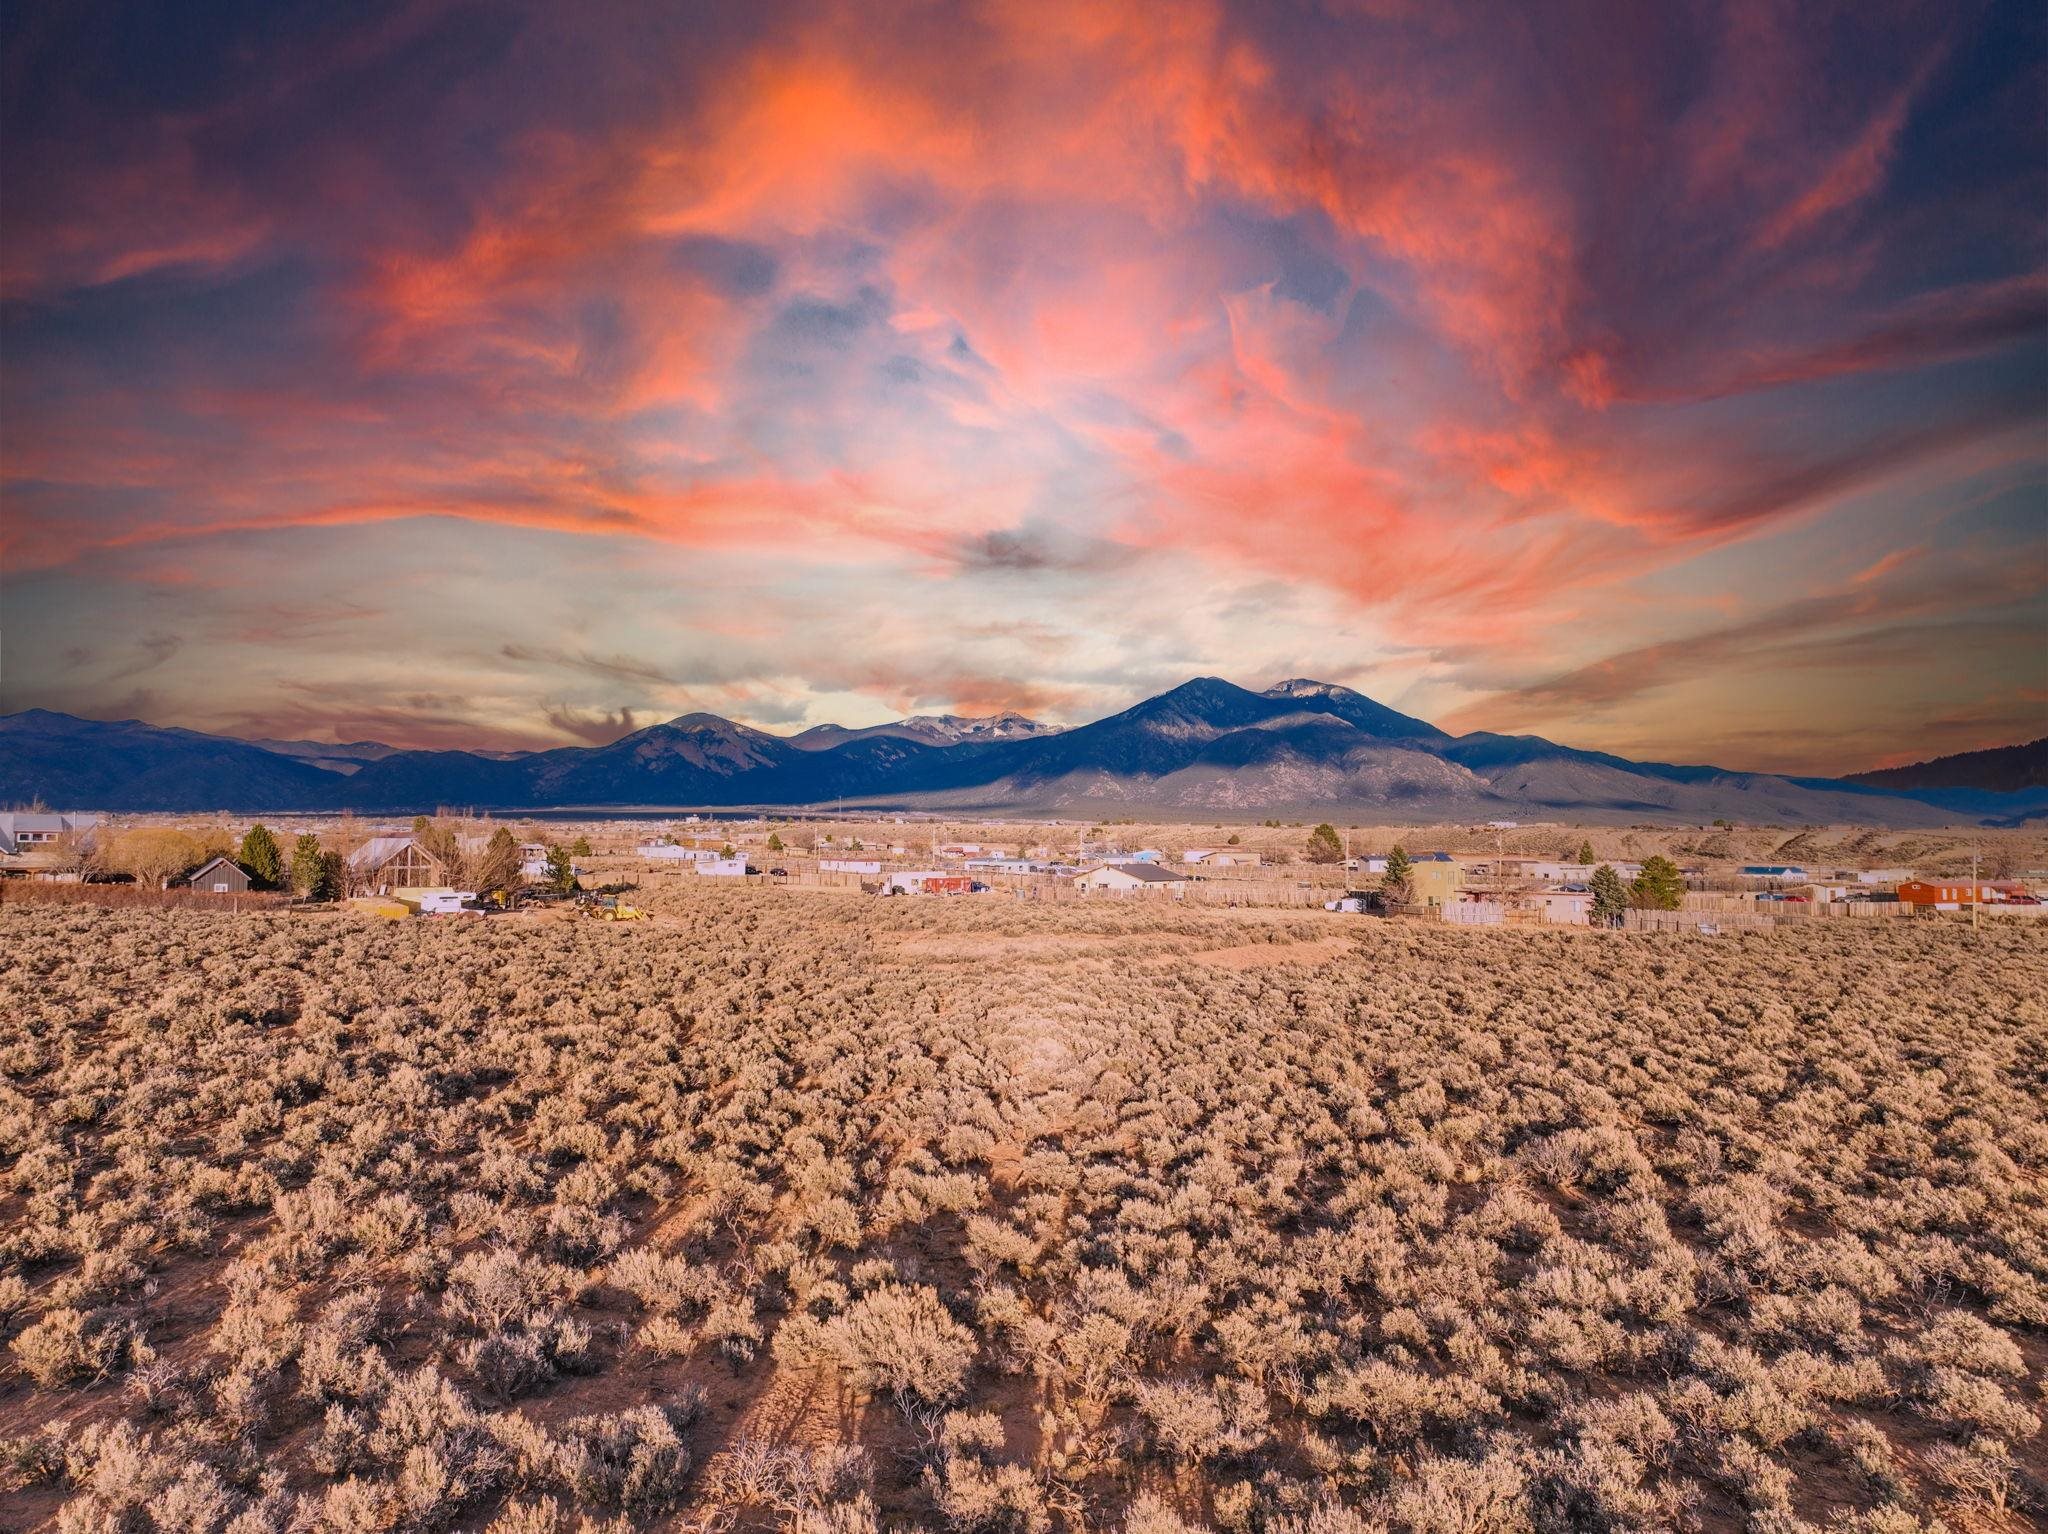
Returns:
point(219, 876)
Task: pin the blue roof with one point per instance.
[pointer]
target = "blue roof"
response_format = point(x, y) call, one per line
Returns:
point(1773, 868)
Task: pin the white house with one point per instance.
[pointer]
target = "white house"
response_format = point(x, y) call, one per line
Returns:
point(29, 831)
point(1125, 877)
point(849, 865)
point(664, 852)
point(1884, 876)
point(721, 868)
point(1221, 857)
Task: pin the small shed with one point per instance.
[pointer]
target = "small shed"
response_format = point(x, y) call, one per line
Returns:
point(220, 876)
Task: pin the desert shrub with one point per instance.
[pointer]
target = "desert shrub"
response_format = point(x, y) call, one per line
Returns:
point(1482, 1229)
point(903, 1341)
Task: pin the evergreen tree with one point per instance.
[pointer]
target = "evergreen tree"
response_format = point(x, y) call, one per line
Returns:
point(1395, 882)
point(774, 842)
point(306, 864)
point(1610, 896)
point(581, 847)
point(1235, 839)
point(1659, 887)
point(333, 882)
point(1585, 851)
point(561, 869)
point(262, 856)
point(1324, 845)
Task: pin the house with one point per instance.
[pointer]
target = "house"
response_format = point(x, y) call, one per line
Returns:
point(533, 860)
point(220, 876)
point(723, 868)
point(1884, 875)
point(1221, 857)
point(928, 881)
point(1552, 871)
point(1434, 879)
point(1146, 855)
point(665, 852)
point(1778, 873)
point(1565, 906)
point(31, 831)
point(386, 863)
point(849, 865)
point(957, 850)
point(1125, 877)
point(1952, 894)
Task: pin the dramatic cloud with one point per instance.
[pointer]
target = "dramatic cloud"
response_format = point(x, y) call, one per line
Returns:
point(1627, 373)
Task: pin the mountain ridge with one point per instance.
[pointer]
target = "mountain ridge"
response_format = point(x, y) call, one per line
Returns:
point(1205, 747)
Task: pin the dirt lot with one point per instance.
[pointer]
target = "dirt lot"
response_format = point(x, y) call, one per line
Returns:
point(786, 1212)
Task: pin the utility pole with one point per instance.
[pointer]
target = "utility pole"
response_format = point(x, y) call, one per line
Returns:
point(1976, 890)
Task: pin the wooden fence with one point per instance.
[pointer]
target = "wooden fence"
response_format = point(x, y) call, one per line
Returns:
point(135, 897)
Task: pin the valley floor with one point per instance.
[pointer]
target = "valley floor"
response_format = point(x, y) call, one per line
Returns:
point(838, 1214)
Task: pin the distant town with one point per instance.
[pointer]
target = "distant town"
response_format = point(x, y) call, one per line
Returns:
point(1494, 874)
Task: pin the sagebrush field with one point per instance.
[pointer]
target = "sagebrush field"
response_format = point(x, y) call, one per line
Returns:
point(842, 1214)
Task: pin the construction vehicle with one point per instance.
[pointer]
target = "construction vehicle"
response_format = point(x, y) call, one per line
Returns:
point(608, 908)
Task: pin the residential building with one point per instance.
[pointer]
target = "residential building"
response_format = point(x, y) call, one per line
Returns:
point(849, 865)
point(1778, 873)
point(219, 876)
point(1952, 894)
point(1434, 879)
point(1221, 857)
point(928, 881)
point(31, 831)
point(723, 868)
point(1126, 877)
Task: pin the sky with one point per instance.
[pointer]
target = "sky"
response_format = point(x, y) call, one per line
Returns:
point(1664, 379)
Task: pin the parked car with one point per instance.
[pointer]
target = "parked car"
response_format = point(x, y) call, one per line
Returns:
point(778, 873)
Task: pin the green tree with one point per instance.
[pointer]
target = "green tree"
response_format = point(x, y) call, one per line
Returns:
point(1659, 887)
point(774, 842)
point(420, 824)
point(561, 869)
point(306, 864)
point(1585, 851)
point(581, 847)
point(1235, 839)
point(1395, 882)
point(333, 881)
point(728, 851)
point(1324, 845)
point(262, 856)
point(1610, 896)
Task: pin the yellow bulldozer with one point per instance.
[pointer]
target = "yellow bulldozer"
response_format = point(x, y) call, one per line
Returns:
point(610, 908)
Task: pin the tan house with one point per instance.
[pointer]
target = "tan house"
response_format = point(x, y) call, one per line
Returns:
point(1124, 878)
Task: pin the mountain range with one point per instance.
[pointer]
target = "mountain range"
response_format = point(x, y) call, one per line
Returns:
point(1207, 748)
point(2003, 769)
